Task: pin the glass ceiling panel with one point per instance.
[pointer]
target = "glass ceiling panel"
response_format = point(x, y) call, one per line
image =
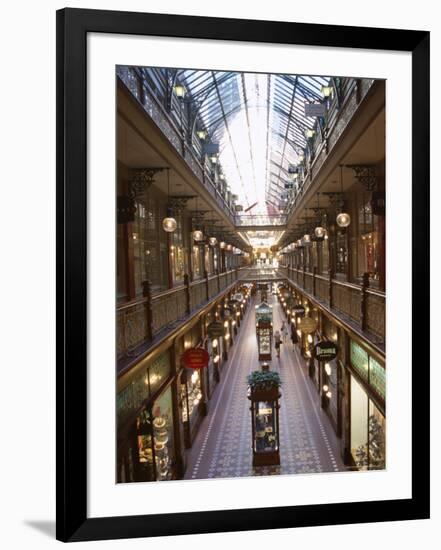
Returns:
point(259, 122)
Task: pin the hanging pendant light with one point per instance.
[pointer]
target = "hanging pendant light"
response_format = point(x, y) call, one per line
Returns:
point(198, 235)
point(319, 231)
point(222, 244)
point(169, 224)
point(343, 219)
point(212, 241)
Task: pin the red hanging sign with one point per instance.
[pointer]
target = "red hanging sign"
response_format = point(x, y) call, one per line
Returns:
point(195, 358)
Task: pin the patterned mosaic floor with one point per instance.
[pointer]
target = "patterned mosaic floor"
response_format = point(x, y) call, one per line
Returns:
point(223, 445)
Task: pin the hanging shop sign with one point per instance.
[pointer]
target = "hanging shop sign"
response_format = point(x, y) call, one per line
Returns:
point(238, 297)
point(308, 325)
point(195, 358)
point(325, 350)
point(315, 109)
point(215, 329)
point(298, 311)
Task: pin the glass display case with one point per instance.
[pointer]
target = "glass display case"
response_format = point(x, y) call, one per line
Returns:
point(264, 340)
point(265, 426)
point(265, 429)
point(264, 330)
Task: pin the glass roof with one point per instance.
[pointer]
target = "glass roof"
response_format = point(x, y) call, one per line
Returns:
point(259, 122)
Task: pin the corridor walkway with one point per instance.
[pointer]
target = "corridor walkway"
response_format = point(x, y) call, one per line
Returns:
point(223, 445)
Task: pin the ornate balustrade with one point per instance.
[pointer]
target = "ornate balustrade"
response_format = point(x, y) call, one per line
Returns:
point(375, 313)
point(363, 306)
point(322, 288)
point(135, 83)
point(347, 299)
point(308, 286)
point(141, 321)
point(340, 114)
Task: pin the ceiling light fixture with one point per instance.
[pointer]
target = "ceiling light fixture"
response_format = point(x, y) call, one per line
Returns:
point(169, 224)
point(343, 219)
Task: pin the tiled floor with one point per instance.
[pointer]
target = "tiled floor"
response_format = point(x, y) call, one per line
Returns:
point(222, 447)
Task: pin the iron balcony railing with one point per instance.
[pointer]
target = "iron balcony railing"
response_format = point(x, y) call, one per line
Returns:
point(152, 102)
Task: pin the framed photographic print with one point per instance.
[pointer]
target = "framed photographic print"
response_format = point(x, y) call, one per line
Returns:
point(242, 219)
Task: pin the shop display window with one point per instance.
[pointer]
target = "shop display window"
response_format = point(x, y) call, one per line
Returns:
point(360, 360)
point(341, 253)
point(197, 262)
point(121, 275)
point(370, 370)
point(158, 372)
point(324, 256)
point(177, 250)
point(191, 394)
point(368, 240)
point(143, 386)
point(145, 447)
point(207, 259)
point(368, 430)
point(163, 438)
point(149, 246)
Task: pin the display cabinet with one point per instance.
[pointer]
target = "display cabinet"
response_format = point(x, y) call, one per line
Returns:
point(264, 397)
point(264, 331)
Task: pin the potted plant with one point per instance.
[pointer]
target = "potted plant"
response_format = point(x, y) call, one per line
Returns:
point(264, 385)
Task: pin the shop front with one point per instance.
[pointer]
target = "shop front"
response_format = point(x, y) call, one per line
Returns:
point(192, 386)
point(367, 412)
point(331, 371)
point(146, 430)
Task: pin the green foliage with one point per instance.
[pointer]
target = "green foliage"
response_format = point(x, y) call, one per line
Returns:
point(264, 380)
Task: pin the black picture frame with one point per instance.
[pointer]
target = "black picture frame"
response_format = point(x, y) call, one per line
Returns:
point(72, 28)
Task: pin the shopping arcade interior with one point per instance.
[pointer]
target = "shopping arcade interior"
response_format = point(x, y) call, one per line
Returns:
point(180, 156)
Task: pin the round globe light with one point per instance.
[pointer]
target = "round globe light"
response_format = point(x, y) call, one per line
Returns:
point(198, 235)
point(212, 241)
point(169, 225)
point(343, 219)
point(320, 232)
